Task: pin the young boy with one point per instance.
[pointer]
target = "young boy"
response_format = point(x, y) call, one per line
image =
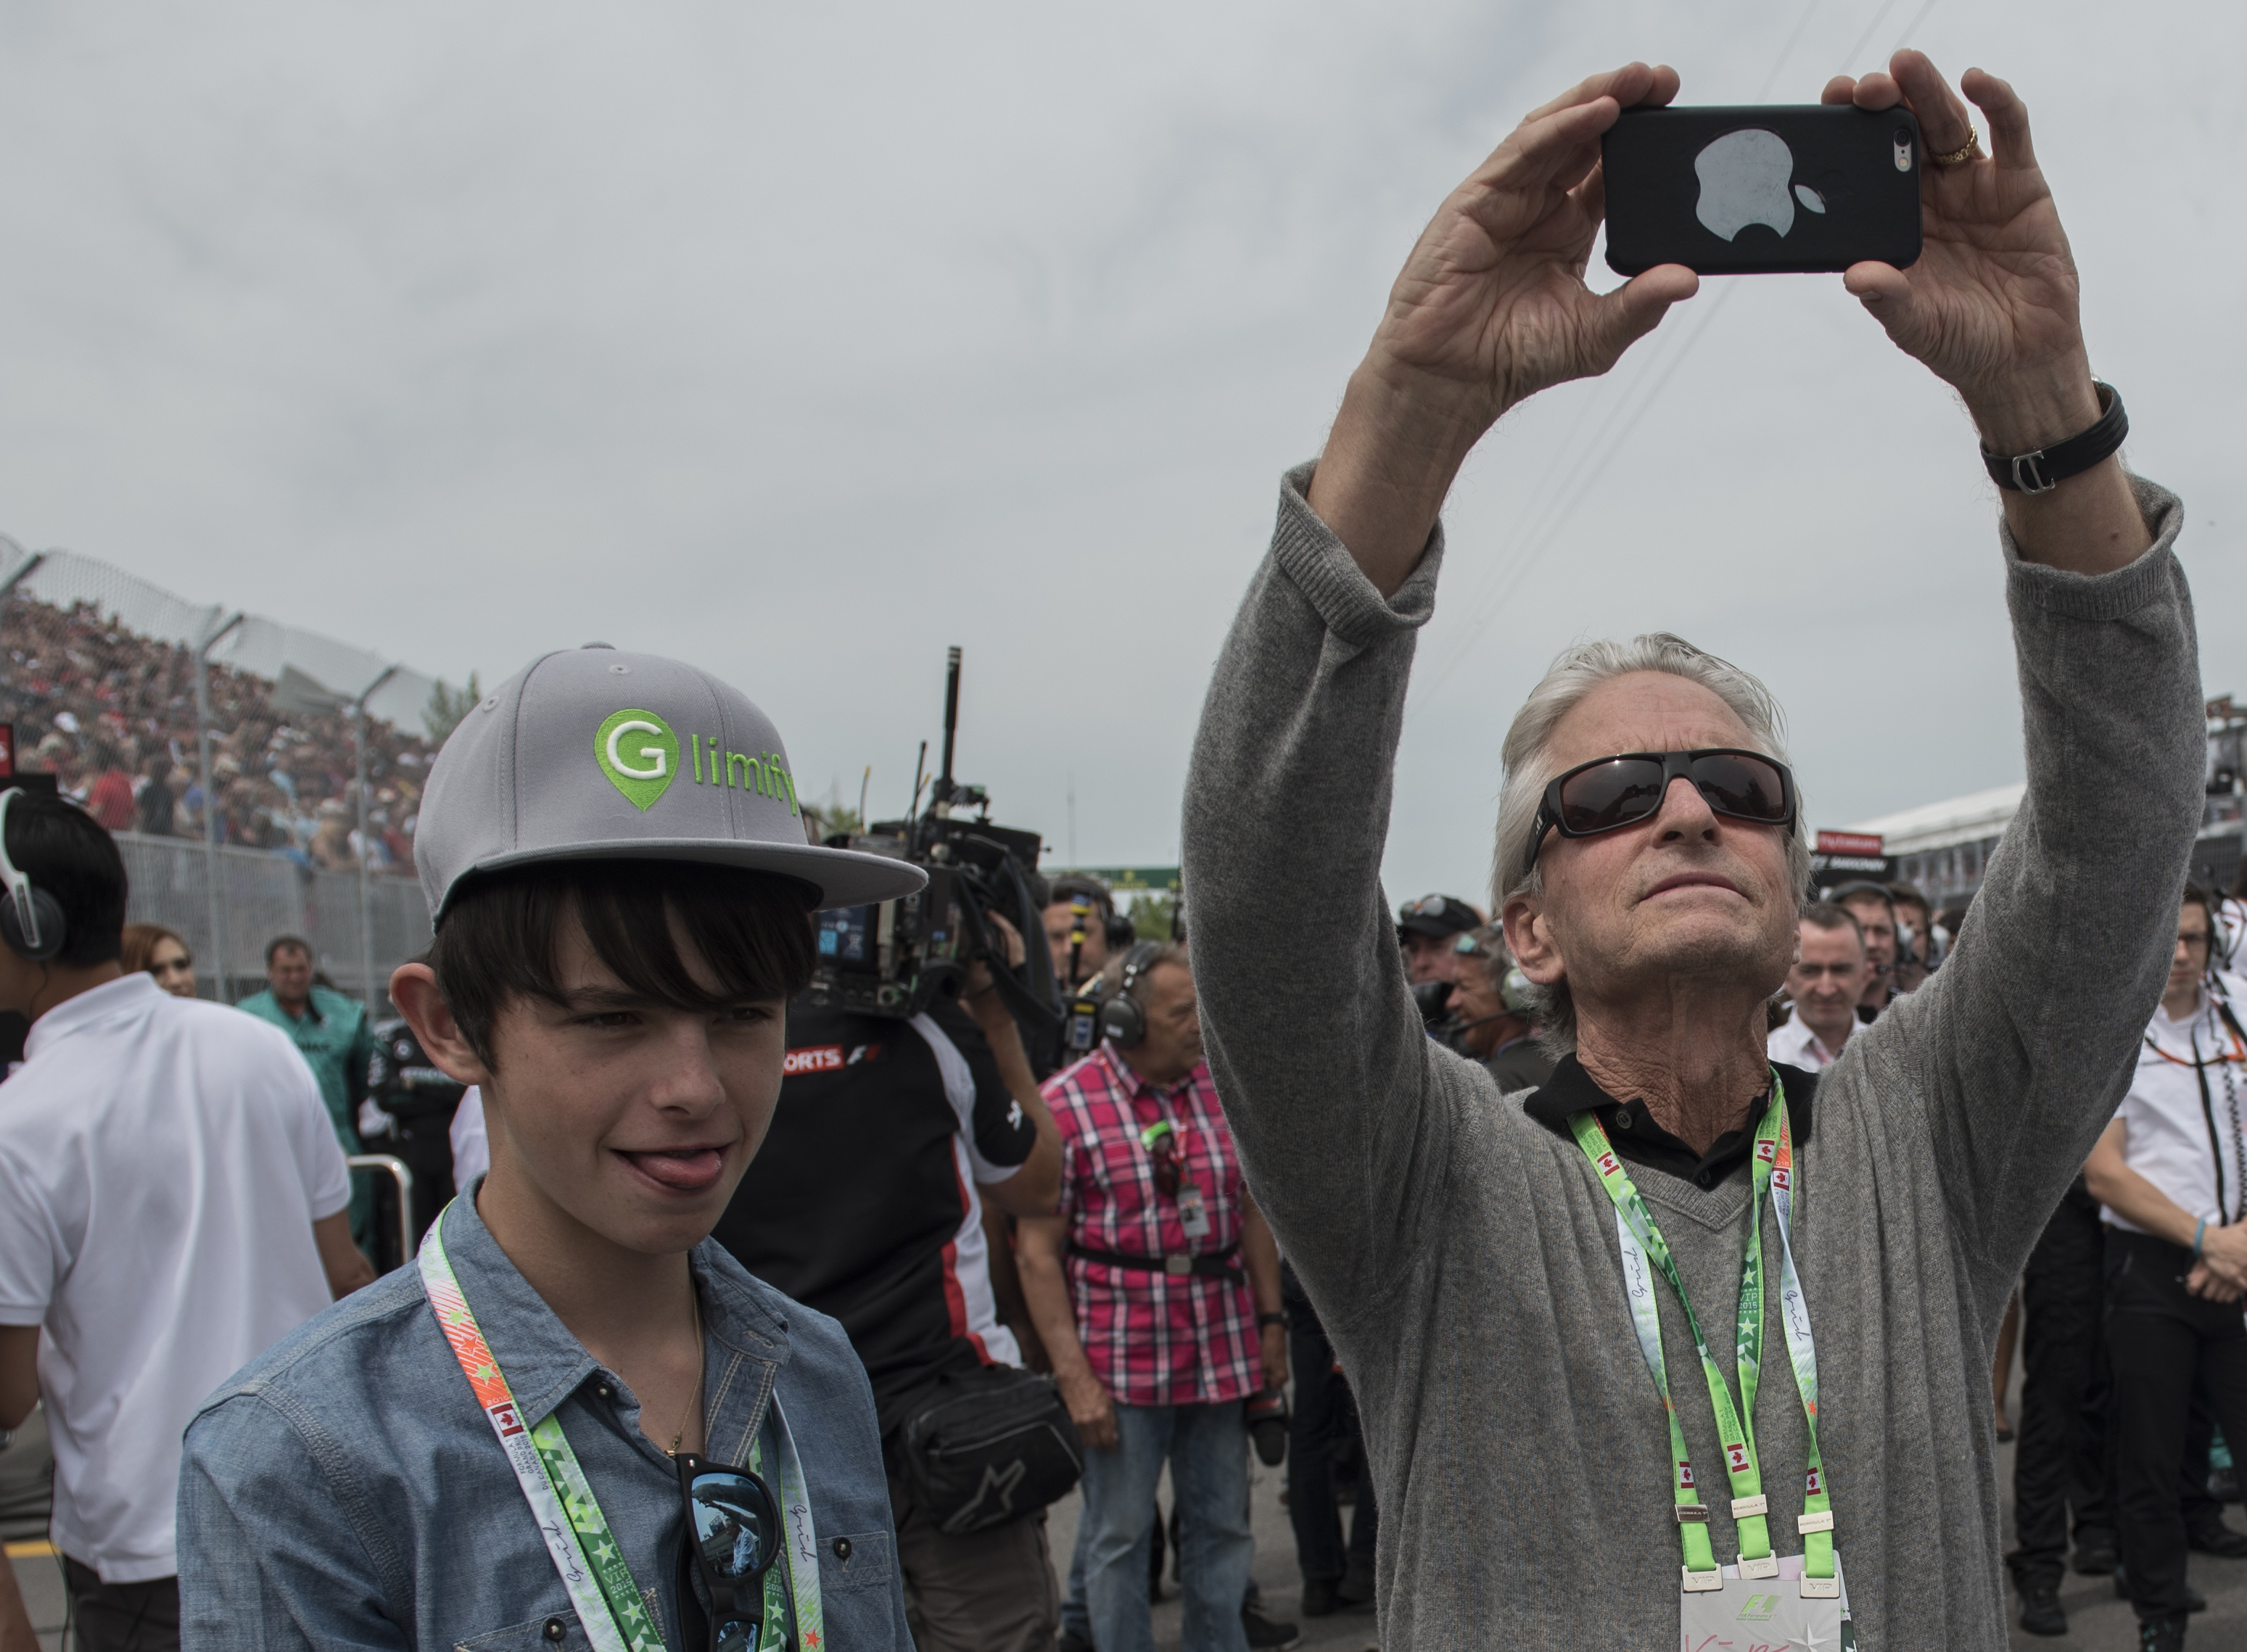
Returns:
point(500, 1447)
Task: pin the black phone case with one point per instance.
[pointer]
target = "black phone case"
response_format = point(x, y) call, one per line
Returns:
point(1760, 188)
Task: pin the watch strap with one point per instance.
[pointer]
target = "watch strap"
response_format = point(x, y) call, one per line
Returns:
point(2045, 469)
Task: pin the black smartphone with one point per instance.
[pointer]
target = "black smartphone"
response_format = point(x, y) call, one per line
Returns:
point(1760, 188)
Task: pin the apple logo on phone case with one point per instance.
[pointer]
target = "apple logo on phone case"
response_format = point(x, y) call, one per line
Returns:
point(1745, 179)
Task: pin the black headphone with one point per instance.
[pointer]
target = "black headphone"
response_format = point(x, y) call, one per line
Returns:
point(1122, 1023)
point(32, 920)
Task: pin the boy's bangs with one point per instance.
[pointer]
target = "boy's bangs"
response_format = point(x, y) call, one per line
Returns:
point(635, 922)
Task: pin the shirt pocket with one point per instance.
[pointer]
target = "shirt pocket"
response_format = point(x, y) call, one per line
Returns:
point(556, 1632)
point(862, 1560)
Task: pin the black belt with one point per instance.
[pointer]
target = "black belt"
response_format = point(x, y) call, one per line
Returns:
point(1211, 1265)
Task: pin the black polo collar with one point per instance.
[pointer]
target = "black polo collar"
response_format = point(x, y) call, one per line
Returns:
point(1638, 1140)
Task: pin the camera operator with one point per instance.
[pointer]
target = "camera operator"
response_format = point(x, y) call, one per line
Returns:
point(866, 1202)
point(1083, 929)
point(1428, 929)
point(1491, 1017)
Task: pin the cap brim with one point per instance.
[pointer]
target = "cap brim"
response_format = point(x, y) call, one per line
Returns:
point(841, 876)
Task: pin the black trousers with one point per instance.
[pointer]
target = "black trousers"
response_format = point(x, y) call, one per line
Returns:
point(2162, 1343)
point(1324, 1421)
point(122, 1617)
point(2059, 1462)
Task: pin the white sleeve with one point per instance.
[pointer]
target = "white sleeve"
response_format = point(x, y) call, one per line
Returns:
point(312, 1138)
point(31, 1252)
point(471, 1146)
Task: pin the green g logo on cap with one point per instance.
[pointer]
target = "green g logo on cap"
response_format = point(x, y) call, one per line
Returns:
point(638, 752)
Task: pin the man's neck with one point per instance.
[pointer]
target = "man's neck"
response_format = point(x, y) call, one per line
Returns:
point(1161, 1078)
point(2180, 1001)
point(613, 1301)
point(1697, 1066)
point(1833, 1035)
point(60, 985)
point(294, 1006)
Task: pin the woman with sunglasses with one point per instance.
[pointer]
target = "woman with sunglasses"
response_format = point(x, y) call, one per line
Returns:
point(1522, 1293)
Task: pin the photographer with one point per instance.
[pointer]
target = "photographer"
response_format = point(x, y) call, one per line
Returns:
point(1471, 1257)
point(866, 1202)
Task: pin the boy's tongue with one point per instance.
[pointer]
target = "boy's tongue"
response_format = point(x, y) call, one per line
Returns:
point(689, 1172)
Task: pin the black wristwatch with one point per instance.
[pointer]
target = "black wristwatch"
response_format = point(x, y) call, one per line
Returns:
point(2045, 469)
point(1263, 1320)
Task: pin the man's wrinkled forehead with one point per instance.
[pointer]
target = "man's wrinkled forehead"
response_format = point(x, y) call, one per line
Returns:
point(1645, 711)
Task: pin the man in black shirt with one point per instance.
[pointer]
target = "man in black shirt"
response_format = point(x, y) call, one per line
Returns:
point(865, 1202)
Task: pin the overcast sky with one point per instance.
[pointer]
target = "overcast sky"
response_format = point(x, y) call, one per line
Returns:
point(801, 341)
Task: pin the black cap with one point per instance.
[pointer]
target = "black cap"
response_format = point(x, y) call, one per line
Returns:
point(1437, 915)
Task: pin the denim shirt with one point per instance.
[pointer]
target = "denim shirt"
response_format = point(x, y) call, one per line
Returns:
point(346, 1490)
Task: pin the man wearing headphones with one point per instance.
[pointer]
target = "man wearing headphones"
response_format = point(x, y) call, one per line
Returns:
point(1156, 1289)
point(1491, 1000)
point(172, 1201)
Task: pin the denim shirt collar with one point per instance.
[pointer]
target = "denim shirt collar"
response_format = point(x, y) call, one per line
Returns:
point(544, 1364)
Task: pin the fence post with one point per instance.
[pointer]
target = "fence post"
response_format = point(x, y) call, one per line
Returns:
point(365, 906)
point(203, 645)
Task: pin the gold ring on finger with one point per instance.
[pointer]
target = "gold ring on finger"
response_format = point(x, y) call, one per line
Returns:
point(1963, 151)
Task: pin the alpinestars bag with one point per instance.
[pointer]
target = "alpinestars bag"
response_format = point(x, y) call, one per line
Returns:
point(990, 1446)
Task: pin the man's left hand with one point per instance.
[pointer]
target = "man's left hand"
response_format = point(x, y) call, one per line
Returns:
point(1274, 1341)
point(1991, 306)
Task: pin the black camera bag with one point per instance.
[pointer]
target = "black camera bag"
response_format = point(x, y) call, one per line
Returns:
point(989, 1447)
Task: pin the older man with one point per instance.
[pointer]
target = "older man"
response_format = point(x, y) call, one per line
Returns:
point(1825, 982)
point(1469, 1257)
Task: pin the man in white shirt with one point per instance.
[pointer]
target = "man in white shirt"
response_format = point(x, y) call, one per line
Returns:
point(1827, 980)
point(2169, 1171)
point(172, 1201)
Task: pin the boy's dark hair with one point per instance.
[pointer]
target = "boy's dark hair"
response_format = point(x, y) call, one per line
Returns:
point(64, 851)
point(497, 939)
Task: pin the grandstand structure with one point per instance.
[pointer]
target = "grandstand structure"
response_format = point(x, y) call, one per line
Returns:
point(261, 779)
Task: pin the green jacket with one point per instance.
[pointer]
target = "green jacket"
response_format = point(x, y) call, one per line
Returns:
point(336, 1044)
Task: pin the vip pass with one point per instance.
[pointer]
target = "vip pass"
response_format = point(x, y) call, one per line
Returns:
point(609, 1605)
point(641, 755)
point(1641, 1242)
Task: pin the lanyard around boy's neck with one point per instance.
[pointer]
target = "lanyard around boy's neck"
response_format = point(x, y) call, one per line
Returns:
point(1641, 1241)
point(584, 1552)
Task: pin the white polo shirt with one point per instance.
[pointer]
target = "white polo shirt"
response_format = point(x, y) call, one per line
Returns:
point(2166, 1128)
point(161, 1163)
point(1797, 1046)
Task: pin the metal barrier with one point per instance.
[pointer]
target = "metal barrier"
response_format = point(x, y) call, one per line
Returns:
point(404, 1178)
point(265, 894)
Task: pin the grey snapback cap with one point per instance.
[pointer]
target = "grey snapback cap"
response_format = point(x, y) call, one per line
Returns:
point(594, 754)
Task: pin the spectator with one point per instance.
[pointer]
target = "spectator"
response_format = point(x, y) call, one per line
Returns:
point(933, 1117)
point(613, 978)
point(1875, 910)
point(154, 805)
point(1156, 1334)
point(110, 800)
point(1826, 981)
point(2169, 1171)
point(171, 1202)
point(159, 952)
point(1490, 1001)
point(1428, 929)
point(1915, 927)
point(332, 1034)
point(1323, 1428)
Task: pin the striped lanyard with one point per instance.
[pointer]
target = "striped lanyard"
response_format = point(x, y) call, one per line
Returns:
point(1641, 1241)
point(615, 1614)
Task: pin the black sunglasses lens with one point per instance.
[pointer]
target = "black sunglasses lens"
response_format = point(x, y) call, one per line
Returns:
point(1610, 795)
point(1747, 787)
point(734, 1524)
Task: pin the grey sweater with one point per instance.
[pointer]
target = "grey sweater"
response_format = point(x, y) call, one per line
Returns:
point(1462, 1256)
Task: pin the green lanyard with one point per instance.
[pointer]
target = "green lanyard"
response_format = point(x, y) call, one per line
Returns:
point(584, 1552)
point(1641, 1241)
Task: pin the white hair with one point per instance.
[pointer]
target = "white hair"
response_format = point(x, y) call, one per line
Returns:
point(1530, 768)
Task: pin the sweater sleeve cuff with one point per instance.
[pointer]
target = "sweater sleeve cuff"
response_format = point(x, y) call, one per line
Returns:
point(1321, 567)
point(2097, 597)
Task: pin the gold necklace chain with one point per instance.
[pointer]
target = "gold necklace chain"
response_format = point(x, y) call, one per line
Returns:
point(693, 1400)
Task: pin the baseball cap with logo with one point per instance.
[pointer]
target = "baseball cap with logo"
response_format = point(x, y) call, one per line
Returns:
point(593, 754)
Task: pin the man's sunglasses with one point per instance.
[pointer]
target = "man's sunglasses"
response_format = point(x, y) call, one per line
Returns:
point(735, 1521)
point(1611, 792)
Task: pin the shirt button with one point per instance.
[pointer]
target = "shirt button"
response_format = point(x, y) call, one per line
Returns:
point(1706, 1179)
point(842, 1548)
point(557, 1629)
point(1624, 1120)
point(606, 1393)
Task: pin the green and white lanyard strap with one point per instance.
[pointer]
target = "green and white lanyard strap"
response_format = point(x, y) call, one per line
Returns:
point(1816, 1524)
point(1641, 1242)
point(583, 1550)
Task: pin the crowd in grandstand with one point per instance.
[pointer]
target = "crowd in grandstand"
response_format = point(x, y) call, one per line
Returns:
point(112, 714)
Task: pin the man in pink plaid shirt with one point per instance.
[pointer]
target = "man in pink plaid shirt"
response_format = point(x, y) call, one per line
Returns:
point(1156, 1289)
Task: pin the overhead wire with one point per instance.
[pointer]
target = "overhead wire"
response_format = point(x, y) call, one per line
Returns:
point(1578, 477)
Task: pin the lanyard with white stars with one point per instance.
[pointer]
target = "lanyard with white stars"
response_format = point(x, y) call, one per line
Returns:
point(583, 1550)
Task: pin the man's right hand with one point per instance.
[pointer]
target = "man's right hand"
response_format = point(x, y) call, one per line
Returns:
point(1491, 308)
point(2223, 1252)
point(1090, 1409)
